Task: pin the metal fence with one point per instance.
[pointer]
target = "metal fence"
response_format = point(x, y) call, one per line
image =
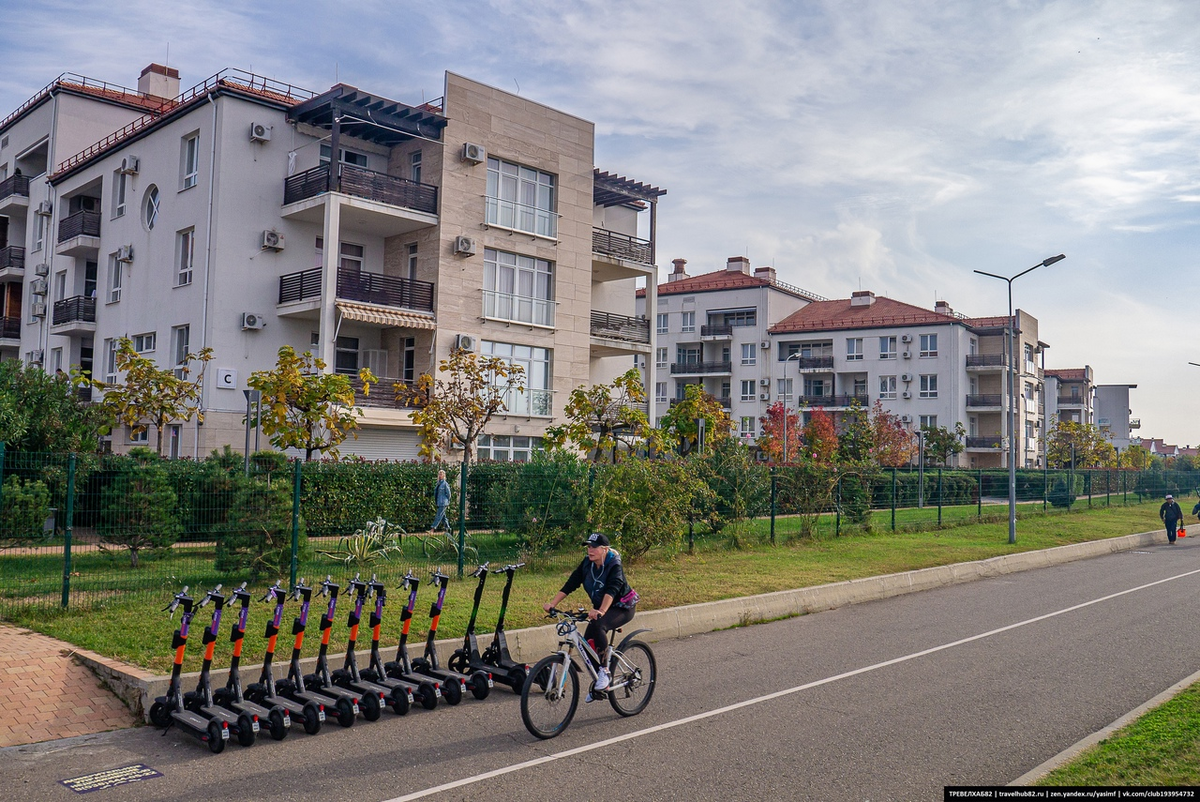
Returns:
point(91, 530)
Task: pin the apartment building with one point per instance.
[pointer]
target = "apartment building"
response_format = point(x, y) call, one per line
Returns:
point(929, 367)
point(245, 214)
point(711, 330)
point(1112, 414)
point(1069, 394)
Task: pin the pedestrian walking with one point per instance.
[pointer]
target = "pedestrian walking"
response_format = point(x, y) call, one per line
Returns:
point(1171, 515)
point(441, 497)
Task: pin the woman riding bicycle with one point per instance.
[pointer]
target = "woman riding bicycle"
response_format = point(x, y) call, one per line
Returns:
point(613, 601)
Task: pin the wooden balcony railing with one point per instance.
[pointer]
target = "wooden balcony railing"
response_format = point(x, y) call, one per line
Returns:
point(622, 246)
point(354, 285)
point(76, 309)
point(620, 327)
point(80, 224)
point(362, 183)
point(12, 256)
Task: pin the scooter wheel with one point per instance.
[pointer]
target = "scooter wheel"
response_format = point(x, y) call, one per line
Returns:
point(516, 678)
point(370, 706)
point(399, 701)
point(429, 695)
point(459, 662)
point(275, 722)
point(245, 729)
point(452, 692)
point(216, 744)
point(479, 685)
point(345, 713)
point(312, 718)
point(160, 716)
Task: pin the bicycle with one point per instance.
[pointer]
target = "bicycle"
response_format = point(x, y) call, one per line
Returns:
point(550, 695)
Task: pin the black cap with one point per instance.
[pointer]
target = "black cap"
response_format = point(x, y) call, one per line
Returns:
point(596, 539)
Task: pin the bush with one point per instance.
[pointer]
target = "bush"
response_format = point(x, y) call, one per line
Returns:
point(544, 501)
point(258, 530)
point(645, 504)
point(339, 496)
point(137, 509)
point(25, 510)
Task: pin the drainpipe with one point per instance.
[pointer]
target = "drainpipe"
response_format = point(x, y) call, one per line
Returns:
point(212, 173)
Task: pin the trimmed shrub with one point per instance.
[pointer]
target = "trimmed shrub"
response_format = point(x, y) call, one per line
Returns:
point(138, 507)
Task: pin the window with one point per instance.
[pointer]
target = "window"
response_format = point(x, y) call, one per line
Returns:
point(929, 345)
point(536, 399)
point(749, 353)
point(503, 448)
point(854, 349)
point(39, 231)
point(345, 355)
point(521, 198)
point(687, 356)
point(688, 322)
point(180, 348)
point(860, 386)
point(746, 426)
point(1029, 392)
point(189, 161)
point(929, 385)
point(784, 388)
point(414, 166)
point(517, 288)
point(142, 436)
point(120, 190)
point(748, 391)
point(816, 387)
point(114, 279)
point(660, 358)
point(661, 323)
point(60, 285)
point(746, 317)
point(928, 421)
point(144, 343)
point(110, 361)
point(1029, 435)
point(185, 248)
point(412, 260)
point(150, 207)
point(1030, 365)
point(887, 347)
point(660, 392)
point(56, 361)
point(350, 157)
point(174, 440)
point(350, 255)
point(887, 387)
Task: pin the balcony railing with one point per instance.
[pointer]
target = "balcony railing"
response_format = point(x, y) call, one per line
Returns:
point(14, 185)
point(622, 246)
point(1070, 401)
point(985, 441)
point(531, 401)
point(985, 360)
point(521, 217)
point(519, 308)
point(80, 224)
point(716, 330)
point(814, 362)
point(620, 327)
point(701, 367)
point(10, 328)
point(12, 256)
point(76, 309)
point(985, 400)
point(354, 285)
point(725, 401)
point(382, 394)
point(361, 183)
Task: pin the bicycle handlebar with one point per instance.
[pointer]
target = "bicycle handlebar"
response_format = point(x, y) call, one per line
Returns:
point(580, 615)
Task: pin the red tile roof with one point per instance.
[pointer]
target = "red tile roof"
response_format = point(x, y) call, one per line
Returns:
point(726, 280)
point(1069, 374)
point(839, 314)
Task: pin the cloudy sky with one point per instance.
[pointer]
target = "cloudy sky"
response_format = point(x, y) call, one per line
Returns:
point(889, 145)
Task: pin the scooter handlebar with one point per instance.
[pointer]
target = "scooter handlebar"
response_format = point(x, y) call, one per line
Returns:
point(208, 596)
point(507, 568)
point(273, 591)
point(482, 569)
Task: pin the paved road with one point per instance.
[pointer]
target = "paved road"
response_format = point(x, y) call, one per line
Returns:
point(890, 700)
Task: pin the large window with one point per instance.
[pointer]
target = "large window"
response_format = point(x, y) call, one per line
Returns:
point(144, 343)
point(784, 389)
point(660, 392)
point(521, 198)
point(189, 161)
point(345, 355)
point(414, 166)
point(927, 421)
point(887, 387)
point(535, 400)
point(660, 358)
point(350, 157)
point(660, 323)
point(887, 347)
point(929, 385)
point(749, 353)
point(503, 448)
point(185, 252)
point(929, 345)
point(688, 322)
point(854, 349)
point(518, 288)
point(748, 389)
point(110, 361)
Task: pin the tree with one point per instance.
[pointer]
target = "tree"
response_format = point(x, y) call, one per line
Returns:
point(680, 422)
point(24, 511)
point(604, 418)
point(152, 396)
point(774, 423)
point(820, 438)
point(942, 444)
point(304, 407)
point(138, 508)
point(646, 504)
point(742, 486)
point(258, 530)
point(1085, 443)
point(891, 443)
point(41, 412)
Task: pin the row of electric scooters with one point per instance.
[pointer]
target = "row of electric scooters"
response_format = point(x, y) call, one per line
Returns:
point(214, 715)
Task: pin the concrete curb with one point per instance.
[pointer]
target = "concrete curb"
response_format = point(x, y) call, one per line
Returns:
point(139, 690)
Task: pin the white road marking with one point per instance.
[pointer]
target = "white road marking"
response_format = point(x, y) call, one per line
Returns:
point(528, 764)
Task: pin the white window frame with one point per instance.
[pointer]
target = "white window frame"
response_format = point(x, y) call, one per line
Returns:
point(927, 422)
point(929, 345)
point(110, 360)
point(151, 206)
point(887, 387)
point(785, 388)
point(687, 322)
point(746, 425)
point(660, 392)
point(185, 254)
point(120, 193)
point(749, 390)
point(749, 353)
point(353, 158)
point(929, 385)
point(189, 161)
point(56, 360)
point(114, 279)
point(660, 357)
point(414, 166)
point(181, 337)
point(145, 343)
point(521, 198)
point(662, 321)
point(537, 398)
point(854, 349)
point(518, 288)
point(39, 232)
point(412, 260)
point(887, 347)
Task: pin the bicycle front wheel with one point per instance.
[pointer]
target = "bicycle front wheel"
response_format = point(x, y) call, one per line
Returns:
point(634, 674)
point(550, 696)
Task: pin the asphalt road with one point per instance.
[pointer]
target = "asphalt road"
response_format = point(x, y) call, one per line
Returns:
point(892, 700)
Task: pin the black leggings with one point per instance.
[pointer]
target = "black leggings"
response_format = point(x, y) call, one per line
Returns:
point(597, 630)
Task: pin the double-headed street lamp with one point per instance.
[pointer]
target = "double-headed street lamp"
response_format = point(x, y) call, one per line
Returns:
point(1010, 333)
point(784, 395)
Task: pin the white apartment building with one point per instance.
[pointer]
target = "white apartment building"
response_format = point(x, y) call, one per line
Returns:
point(711, 330)
point(1112, 414)
point(1069, 393)
point(245, 214)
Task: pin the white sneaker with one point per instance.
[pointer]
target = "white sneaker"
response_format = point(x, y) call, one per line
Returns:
point(602, 680)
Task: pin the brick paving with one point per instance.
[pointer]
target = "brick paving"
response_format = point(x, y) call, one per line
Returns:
point(45, 694)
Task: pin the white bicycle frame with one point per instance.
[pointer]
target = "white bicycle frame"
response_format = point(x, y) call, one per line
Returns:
point(570, 638)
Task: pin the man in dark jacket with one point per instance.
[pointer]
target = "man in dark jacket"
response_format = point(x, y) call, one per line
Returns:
point(1171, 515)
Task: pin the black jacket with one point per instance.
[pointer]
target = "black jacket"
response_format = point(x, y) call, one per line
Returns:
point(1170, 512)
point(597, 583)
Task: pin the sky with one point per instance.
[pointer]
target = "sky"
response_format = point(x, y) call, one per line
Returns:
point(886, 145)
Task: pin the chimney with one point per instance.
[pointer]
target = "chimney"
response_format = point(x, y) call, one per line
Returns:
point(159, 81)
point(679, 273)
point(765, 272)
point(943, 308)
point(738, 264)
point(862, 298)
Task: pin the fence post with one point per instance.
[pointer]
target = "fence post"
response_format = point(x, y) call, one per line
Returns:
point(837, 509)
point(1045, 482)
point(1087, 486)
point(70, 504)
point(1108, 489)
point(297, 473)
point(939, 498)
point(773, 492)
point(462, 514)
point(893, 498)
point(1, 475)
point(979, 495)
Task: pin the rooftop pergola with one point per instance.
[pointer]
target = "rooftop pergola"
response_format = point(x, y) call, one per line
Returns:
point(345, 110)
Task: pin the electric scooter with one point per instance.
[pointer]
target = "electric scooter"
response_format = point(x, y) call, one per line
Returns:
point(293, 687)
point(169, 709)
point(277, 718)
point(496, 658)
point(309, 713)
point(480, 682)
point(200, 701)
point(397, 695)
point(370, 704)
point(402, 667)
point(426, 689)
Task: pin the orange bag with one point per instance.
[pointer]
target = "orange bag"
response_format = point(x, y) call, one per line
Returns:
point(1182, 532)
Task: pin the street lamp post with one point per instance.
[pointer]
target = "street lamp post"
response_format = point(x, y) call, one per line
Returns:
point(784, 395)
point(1010, 334)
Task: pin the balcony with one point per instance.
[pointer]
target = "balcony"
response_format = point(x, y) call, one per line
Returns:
point(622, 246)
point(12, 263)
point(814, 363)
point(382, 395)
point(981, 362)
point(353, 285)
point(725, 401)
point(1065, 401)
point(986, 442)
point(79, 234)
point(700, 368)
point(14, 195)
point(986, 400)
point(74, 316)
point(378, 203)
point(614, 335)
point(716, 331)
point(10, 328)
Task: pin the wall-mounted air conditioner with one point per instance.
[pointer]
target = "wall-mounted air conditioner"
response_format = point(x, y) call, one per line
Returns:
point(764, 396)
point(906, 394)
point(474, 153)
point(45, 208)
point(253, 321)
point(129, 165)
point(905, 338)
point(37, 309)
point(764, 382)
point(35, 357)
point(260, 132)
point(464, 342)
point(273, 240)
point(765, 344)
point(41, 269)
point(464, 246)
point(905, 377)
point(906, 418)
point(906, 355)
point(125, 253)
point(38, 286)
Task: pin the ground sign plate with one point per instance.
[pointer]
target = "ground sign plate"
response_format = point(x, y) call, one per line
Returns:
point(103, 780)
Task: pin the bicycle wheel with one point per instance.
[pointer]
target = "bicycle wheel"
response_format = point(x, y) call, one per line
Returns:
point(634, 675)
point(549, 699)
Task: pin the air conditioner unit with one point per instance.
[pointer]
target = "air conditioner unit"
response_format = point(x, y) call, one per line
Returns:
point(125, 253)
point(764, 396)
point(38, 286)
point(906, 394)
point(905, 338)
point(906, 418)
point(41, 269)
point(464, 246)
point(35, 357)
point(474, 153)
point(907, 355)
point(45, 208)
point(129, 165)
point(905, 377)
point(764, 382)
point(37, 309)
point(464, 342)
point(273, 240)
point(253, 321)
point(260, 132)
point(765, 344)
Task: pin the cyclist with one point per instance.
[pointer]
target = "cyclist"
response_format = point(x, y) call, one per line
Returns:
point(613, 601)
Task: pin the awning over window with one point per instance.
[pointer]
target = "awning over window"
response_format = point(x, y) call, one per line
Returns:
point(383, 316)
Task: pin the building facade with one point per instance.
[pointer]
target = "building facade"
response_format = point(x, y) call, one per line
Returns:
point(1069, 393)
point(1112, 414)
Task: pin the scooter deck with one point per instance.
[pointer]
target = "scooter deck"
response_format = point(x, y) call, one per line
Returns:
point(295, 709)
point(194, 722)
